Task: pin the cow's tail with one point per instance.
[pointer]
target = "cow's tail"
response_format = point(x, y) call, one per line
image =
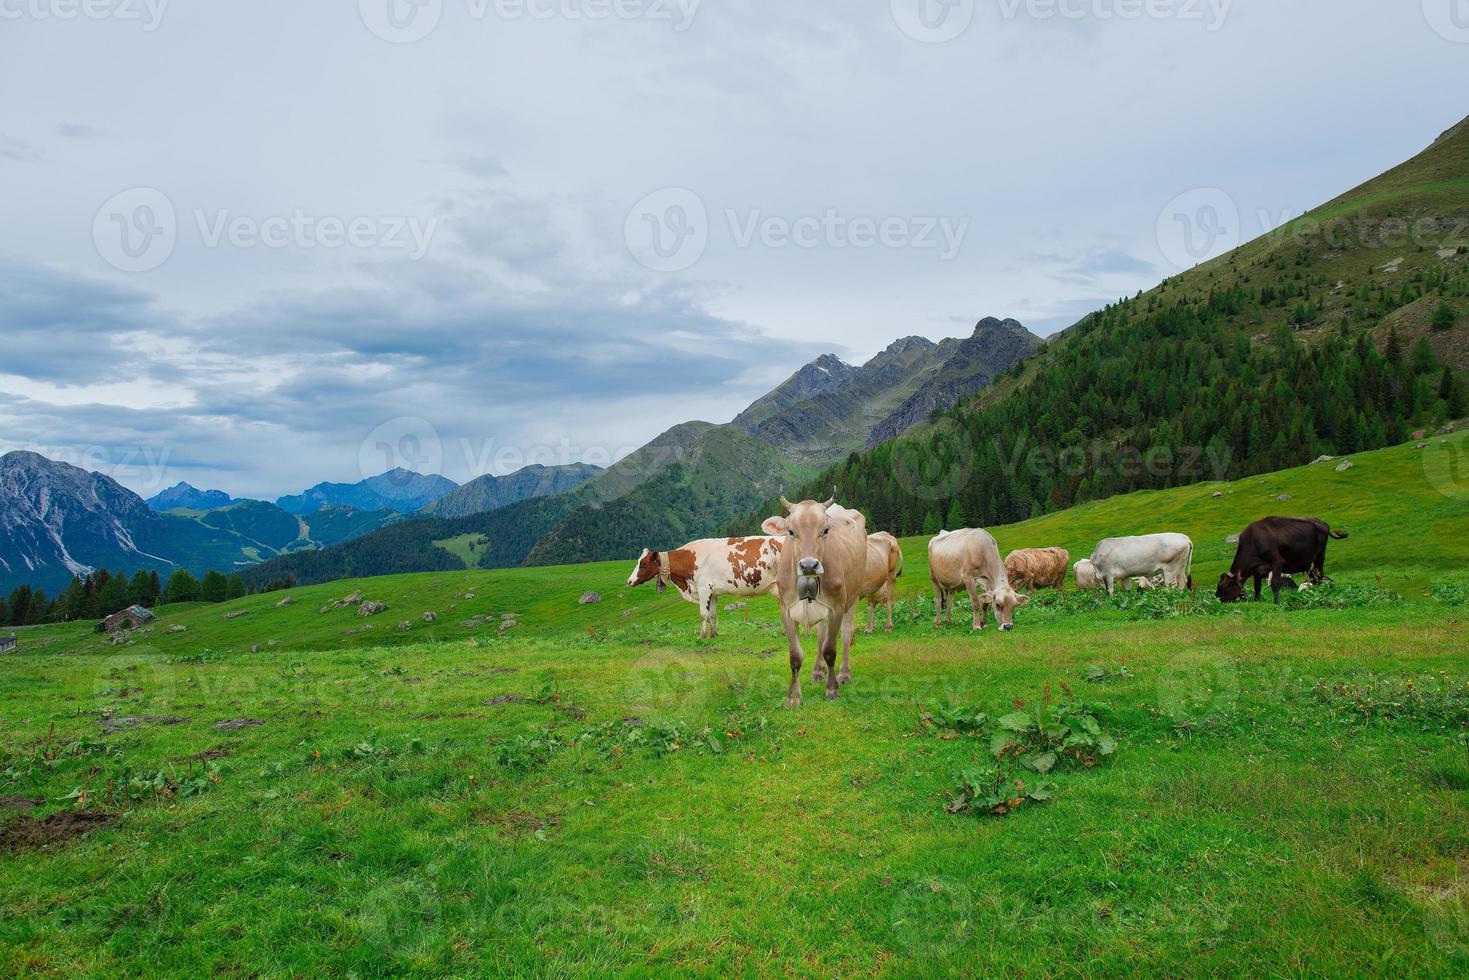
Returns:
point(899, 572)
point(1188, 570)
point(1339, 534)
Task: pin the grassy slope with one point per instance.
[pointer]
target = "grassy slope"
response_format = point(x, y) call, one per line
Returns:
point(1246, 824)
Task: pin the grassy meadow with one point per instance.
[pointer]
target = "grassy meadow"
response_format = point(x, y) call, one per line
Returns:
point(527, 785)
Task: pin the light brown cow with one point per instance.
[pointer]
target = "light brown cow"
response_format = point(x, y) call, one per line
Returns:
point(1037, 568)
point(970, 559)
point(704, 571)
point(820, 583)
point(884, 565)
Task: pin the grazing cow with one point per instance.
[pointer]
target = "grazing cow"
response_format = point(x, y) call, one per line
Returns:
point(1119, 559)
point(822, 563)
point(1277, 546)
point(970, 559)
point(704, 571)
point(1037, 568)
point(884, 565)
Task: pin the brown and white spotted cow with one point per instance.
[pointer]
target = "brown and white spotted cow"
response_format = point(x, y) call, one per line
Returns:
point(705, 571)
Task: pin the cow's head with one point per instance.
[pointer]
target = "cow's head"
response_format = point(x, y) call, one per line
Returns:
point(1086, 574)
point(1231, 587)
point(647, 569)
point(805, 528)
point(1004, 599)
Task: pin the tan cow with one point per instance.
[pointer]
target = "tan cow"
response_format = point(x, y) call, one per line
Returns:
point(884, 565)
point(704, 571)
point(822, 564)
point(1038, 568)
point(970, 559)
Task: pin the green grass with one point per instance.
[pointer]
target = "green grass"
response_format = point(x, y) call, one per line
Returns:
point(1287, 798)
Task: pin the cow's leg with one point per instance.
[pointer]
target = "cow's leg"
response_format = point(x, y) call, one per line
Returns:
point(793, 637)
point(1258, 579)
point(831, 636)
point(1275, 580)
point(849, 626)
point(889, 602)
point(818, 669)
point(713, 603)
point(938, 605)
point(871, 612)
point(978, 618)
point(706, 630)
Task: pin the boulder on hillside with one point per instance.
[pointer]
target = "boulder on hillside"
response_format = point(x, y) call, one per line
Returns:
point(429, 617)
point(1345, 465)
point(287, 601)
point(371, 608)
point(1218, 494)
point(355, 599)
point(404, 626)
point(1322, 459)
point(178, 628)
point(589, 599)
point(1285, 498)
point(237, 614)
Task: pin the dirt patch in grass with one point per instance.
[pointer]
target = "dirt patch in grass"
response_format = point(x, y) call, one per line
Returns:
point(209, 755)
point(518, 822)
point(25, 833)
point(110, 725)
point(504, 699)
point(235, 724)
point(21, 803)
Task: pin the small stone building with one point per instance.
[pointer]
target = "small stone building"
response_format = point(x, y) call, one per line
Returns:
point(7, 644)
point(130, 618)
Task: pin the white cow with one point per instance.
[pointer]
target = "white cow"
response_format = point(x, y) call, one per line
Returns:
point(1119, 559)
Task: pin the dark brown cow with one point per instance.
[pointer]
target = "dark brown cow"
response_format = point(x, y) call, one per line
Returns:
point(1277, 547)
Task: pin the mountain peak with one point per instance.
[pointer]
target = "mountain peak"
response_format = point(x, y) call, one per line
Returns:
point(908, 345)
point(187, 495)
point(1453, 131)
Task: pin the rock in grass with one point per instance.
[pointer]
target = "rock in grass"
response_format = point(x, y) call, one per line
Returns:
point(1285, 498)
point(237, 614)
point(1345, 465)
point(429, 617)
point(589, 599)
point(404, 626)
point(178, 628)
point(371, 608)
point(287, 601)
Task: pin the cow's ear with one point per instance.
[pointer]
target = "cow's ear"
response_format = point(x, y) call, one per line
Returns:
point(1021, 600)
point(774, 526)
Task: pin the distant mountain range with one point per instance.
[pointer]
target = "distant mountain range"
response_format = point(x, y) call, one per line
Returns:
point(187, 497)
point(397, 490)
point(693, 479)
point(493, 492)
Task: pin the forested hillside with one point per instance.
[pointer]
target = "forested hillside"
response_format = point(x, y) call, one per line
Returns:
point(1343, 331)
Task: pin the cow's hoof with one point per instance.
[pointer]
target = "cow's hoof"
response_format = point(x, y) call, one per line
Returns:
point(832, 695)
point(844, 678)
point(793, 702)
point(868, 632)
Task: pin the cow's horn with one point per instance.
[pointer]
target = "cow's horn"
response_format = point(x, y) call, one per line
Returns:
point(833, 497)
point(783, 501)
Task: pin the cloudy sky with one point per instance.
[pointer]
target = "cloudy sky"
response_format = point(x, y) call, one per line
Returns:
point(259, 245)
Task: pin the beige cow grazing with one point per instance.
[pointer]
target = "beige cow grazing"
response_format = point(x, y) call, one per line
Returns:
point(819, 582)
point(884, 565)
point(1038, 568)
point(970, 559)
